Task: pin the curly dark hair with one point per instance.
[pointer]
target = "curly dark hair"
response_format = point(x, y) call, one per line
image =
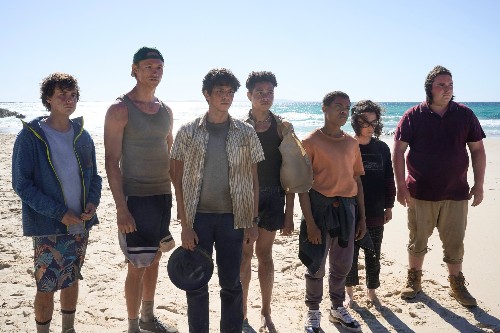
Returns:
point(328, 99)
point(365, 106)
point(437, 70)
point(256, 77)
point(62, 81)
point(219, 77)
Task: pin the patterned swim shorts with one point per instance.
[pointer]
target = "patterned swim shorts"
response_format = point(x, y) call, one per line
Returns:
point(58, 260)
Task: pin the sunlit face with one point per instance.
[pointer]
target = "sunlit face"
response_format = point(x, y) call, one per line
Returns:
point(148, 71)
point(442, 89)
point(337, 112)
point(368, 122)
point(63, 102)
point(262, 96)
point(220, 99)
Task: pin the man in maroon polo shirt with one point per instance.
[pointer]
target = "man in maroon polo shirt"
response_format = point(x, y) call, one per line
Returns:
point(436, 191)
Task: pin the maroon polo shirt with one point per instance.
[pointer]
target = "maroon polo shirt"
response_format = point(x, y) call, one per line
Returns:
point(437, 161)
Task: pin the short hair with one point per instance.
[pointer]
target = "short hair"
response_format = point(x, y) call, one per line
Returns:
point(328, 99)
point(219, 77)
point(62, 81)
point(256, 77)
point(435, 72)
point(365, 106)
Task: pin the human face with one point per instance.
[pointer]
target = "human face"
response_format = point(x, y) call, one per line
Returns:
point(442, 89)
point(337, 112)
point(368, 121)
point(148, 71)
point(63, 102)
point(220, 99)
point(262, 96)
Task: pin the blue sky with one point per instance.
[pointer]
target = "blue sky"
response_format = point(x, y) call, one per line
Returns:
point(380, 50)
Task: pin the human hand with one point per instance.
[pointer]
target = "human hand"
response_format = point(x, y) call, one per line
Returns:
point(313, 233)
point(89, 212)
point(387, 215)
point(360, 229)
point(403, 196)
point(477, 193)
point(189, 238)
point(251, 234)
point(125, 221)
point(288, 227)
point(70, 218)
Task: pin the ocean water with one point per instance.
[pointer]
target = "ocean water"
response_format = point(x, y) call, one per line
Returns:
point(305, 116)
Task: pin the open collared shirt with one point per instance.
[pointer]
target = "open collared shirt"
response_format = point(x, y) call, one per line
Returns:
point(243, 150)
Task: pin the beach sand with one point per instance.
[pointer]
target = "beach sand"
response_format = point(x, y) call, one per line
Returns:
point(101, 305)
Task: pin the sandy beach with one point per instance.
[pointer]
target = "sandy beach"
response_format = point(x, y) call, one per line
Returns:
point(102, 305)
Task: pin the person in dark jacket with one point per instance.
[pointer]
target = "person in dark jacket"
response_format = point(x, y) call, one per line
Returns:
point(54, 173)
point(379, 192)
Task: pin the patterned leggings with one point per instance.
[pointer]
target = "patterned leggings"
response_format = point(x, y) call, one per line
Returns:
point(372, 261)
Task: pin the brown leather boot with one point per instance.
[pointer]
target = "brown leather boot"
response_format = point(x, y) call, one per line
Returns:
point(459, 291)
point(413, 284)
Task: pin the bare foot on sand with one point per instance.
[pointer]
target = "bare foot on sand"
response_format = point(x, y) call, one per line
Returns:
point(349, 298)
point(267, 324)
point(373, 299)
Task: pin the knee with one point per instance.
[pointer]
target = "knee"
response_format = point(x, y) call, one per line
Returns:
point(264, 255)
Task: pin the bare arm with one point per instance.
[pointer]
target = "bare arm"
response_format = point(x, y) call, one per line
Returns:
point(114, 125)
point(360, 199)
point(251, 234)
point(313, 232)
point(478, 157)
point(398, 162)
point(189, 237)
point(289, 203)
point(170, 141)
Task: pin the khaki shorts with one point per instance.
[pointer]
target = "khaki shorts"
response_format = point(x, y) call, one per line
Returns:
point(450, 219)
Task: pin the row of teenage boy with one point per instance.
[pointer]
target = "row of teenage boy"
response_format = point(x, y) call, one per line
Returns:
point(226, 175)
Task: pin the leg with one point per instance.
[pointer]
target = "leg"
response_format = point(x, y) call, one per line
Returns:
point(415, 262)
point(372, 264)
point(340, 262)
point(264, 252)
point(198, 300)
point(228, 247)
point(451, 227)
point(352, 279)
point(454, 269)
point(422, 219)
point(133, 290)
point(69, 299)
point(314, 282)
point(44, 306)
point(246, 273)
point(149, 282)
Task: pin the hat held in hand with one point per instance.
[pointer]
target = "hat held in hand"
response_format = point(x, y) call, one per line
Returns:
point(190, 270)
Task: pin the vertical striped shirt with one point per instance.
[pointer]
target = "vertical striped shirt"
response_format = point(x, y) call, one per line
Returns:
point(243, 150)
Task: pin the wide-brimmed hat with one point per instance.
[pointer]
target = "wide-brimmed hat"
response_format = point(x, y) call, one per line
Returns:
point(190, 270)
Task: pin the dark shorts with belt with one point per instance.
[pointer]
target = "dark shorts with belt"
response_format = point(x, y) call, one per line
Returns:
point(58, 260)
point(271, 208)
point(152, 219)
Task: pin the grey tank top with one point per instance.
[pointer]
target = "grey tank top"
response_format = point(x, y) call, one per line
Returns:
point(145, 161)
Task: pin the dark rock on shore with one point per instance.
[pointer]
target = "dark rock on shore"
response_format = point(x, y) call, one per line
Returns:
point(6, 113)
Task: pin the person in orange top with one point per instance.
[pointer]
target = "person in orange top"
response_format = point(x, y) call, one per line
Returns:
point(328, 226)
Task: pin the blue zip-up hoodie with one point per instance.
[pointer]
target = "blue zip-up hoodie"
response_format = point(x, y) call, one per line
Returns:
point(35, 180)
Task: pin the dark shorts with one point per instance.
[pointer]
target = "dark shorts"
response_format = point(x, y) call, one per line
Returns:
point(58, 260)
point(152, 219)
point(271, 208)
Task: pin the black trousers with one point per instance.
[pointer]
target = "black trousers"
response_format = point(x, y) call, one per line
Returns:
point(372, 261)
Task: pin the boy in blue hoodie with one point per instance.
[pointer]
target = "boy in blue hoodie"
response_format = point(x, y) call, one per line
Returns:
point(54, 173)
